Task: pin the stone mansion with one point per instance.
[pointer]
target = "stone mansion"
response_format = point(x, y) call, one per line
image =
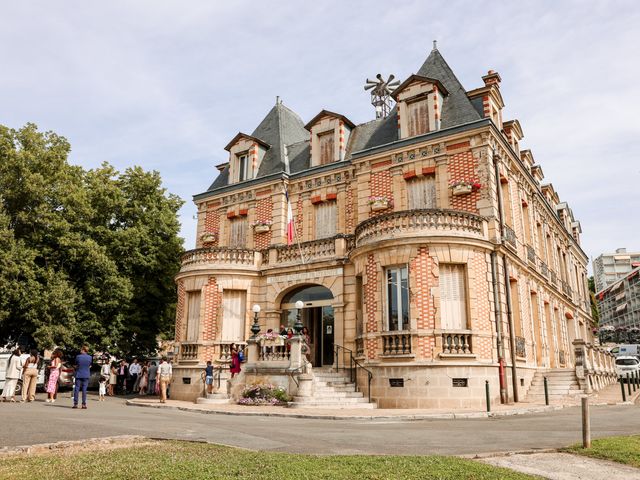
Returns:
point(427, 244)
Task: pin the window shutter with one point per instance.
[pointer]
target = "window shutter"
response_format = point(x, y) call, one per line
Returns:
point(421, 192)
point(238, 233)
point(325, 220)
point(453, 297)
point(418, 117)
point(326, 148)
point(193, 316)
point(233, 315)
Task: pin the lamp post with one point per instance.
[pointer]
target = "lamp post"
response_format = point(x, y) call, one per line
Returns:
point(255, 328)
point(298, 325)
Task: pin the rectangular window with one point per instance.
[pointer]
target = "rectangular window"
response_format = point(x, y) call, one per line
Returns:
point(243, 167)
point(453, 297)
point(326, 219)
point(418, 117)
point(421, 192)
point(327, 154)
point(234, 304)
point(193, 316)
point(397, 298)
point(238, 234)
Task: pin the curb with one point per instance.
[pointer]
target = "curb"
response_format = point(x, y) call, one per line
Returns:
point(406, 418)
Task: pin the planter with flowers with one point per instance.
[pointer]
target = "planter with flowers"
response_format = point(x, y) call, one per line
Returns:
point(262, 226)
point(464, 186)
point(208, 237)
point(379, 203)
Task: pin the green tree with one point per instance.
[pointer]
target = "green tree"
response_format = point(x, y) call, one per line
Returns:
point(86, 256)
point(595, 313)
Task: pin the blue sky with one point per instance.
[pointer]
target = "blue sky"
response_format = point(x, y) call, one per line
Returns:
point(166, 85)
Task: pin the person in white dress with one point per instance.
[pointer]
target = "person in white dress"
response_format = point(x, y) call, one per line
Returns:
point(14, 371)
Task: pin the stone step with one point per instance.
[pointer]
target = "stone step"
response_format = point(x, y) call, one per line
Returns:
point(329, 399)
point(337, 406)
point(341, 388)
point(338, 394)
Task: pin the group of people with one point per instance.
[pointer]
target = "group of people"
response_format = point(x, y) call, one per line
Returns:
point(140, 378)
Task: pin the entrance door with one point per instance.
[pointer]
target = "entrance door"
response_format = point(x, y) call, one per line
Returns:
point(317, 316)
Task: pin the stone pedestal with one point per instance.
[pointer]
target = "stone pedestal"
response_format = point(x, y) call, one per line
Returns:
point(305, 386)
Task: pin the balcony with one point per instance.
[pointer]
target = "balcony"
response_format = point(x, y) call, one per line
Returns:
point(189, 352)
point(509, 236)
point(531, 254)
point(227, 258)
point(396, 343)
point(544, 270)
point(315, 250)
point(420, 223)
point(456, 344)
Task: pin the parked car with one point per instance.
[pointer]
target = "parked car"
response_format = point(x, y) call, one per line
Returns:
point(627, 365)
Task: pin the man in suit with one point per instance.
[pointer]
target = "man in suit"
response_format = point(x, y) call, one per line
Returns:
point(121, 377)
point(83, 372)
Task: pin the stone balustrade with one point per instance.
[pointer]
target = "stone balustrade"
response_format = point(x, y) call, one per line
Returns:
point(396, 343)
point(595, 366)
point(456, 343)
point(189, 352)
point(309, 251)
point(225, 257)
point(422, 223)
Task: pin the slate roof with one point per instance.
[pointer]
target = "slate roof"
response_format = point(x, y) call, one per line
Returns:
point(285, 131)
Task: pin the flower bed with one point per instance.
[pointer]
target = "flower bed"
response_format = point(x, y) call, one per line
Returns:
point(266, 394)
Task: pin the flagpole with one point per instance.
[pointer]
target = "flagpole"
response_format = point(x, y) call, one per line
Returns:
point(293, 227)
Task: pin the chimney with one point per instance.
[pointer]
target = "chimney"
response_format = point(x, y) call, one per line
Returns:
point(492, 78)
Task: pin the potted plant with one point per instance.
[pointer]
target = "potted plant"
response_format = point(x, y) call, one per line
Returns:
point(378, 203)
point(464, 186)
point(262, 226)
point(208, 237)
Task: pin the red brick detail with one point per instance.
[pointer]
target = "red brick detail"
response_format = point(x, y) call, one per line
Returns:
point(299, 219)
point(464, 166)
point(429, 171)
point(332, 196)
point(349, 210)
point(409, 174)
point(262, 193)
point(264, 211)
point(381, 187)
point(482, 322)
point(315, 200)
point(381, 164)
point(524, 202)
point(212, 309)
point(212, 225)
point(244, 212)
point(457, 146)
point(370, 290)
point(231, 214)
point(421, 279)
point(180, 310)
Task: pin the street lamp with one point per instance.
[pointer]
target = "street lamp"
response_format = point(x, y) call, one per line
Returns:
point(255, 328)
point(298, 325)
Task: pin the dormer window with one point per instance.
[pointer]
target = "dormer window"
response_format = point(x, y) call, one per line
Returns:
point(329, 137)
point(420, 101)
point(243, 167)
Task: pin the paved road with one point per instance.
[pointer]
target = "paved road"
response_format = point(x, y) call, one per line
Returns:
point(25, 424)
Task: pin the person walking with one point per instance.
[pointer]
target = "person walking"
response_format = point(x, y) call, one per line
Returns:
point(54, 375)
point(83, 372)
point(144, 380)
point(102, 389)
point(123, 372)
point(165, 371)
point(208, 377)
point(14, 370)
point(30, 376)
point(113, 379)
point(153, 370)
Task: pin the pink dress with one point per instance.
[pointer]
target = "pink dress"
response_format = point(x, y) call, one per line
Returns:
point(52, 384)
point(235, 363)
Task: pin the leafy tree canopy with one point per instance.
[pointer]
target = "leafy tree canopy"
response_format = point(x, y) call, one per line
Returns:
point(85, 256)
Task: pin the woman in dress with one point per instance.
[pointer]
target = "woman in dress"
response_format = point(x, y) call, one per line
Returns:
point(235, 360)
point(144, 379)
point(306, 346)
point(113, 379)
point(54, 374)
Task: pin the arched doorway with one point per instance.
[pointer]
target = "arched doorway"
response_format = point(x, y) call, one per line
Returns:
point(317, 315)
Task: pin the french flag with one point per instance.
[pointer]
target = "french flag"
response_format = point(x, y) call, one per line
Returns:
point(289, 220)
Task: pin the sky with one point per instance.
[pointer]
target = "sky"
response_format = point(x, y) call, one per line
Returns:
point(166, 84)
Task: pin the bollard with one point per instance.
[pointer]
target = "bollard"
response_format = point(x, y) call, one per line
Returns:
point(628, 385)
point(624, 397)
point(586, 424)
point(486, 389)
point(546, 391)
point(633, 380)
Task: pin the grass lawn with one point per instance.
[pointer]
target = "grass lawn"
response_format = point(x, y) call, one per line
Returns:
point(617, 449)
point(173, 460)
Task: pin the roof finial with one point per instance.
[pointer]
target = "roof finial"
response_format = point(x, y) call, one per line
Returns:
point(277, 99)
point(435, 45)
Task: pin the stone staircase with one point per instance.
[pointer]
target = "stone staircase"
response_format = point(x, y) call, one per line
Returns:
point(562, 385)
point(331, 389)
